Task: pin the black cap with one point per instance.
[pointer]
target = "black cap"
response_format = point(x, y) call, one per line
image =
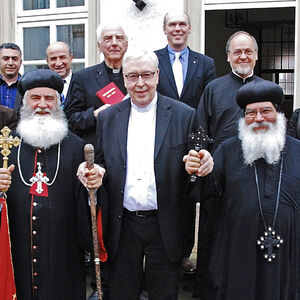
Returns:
point(259, 91)
point(40, 78)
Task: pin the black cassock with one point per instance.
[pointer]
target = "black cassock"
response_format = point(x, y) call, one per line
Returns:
point(218, 112)
point(238, 269)
point(49, 234)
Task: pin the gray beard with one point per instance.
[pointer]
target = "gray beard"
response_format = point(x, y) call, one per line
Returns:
point(266, 144)
point(243, 70)
point(42, 131)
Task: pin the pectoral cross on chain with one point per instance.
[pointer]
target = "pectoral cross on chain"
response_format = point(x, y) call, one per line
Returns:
point(269, 241)
point(39, 178)
point(6, 142)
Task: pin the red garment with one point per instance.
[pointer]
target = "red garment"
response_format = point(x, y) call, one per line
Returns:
point(7, 279)
point(102, 250)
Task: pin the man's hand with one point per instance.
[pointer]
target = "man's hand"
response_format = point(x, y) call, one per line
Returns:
point(91, 179)
point(5, 178)
point(96, 112)
point(200, 162)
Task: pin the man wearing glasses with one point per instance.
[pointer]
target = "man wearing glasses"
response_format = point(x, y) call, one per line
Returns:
point(140, 143)
point(218, 115)
point(256, 174)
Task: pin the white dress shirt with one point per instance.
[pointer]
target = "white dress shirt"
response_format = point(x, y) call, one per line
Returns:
point(140, 187)
point(67, 84)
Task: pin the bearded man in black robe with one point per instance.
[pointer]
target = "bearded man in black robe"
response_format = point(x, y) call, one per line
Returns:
point(257, 175)
point(218, 115)
point(47, 205)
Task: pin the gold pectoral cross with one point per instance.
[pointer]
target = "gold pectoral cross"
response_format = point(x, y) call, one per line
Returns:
point(6, 142)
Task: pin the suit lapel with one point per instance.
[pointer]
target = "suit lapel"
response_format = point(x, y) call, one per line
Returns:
point(192, 66)
point(121, 119)
point(101, 75)
point(163, 117)
point(165, 65)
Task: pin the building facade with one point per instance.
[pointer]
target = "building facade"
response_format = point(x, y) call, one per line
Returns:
point(33, 24)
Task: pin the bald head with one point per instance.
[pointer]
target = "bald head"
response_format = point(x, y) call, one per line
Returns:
point(59, 58)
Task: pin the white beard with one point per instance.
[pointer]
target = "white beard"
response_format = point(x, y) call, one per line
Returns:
point(42, 131)
point(266, 144)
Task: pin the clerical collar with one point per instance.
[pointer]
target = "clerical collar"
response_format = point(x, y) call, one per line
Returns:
point(243, 78)
point(147, 108)
point(113, 71)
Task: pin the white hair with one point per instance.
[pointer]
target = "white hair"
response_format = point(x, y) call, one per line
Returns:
point(103, 26)
point(137, 54)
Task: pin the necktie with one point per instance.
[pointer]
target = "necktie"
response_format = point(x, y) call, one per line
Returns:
point(63, 97)
point(177, 71)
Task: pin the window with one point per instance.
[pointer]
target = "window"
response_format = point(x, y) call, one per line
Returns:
point(42, 4)
point(278, 59)
point(278, 55)
point(36, 41)
point(35, 4)
point(64, 3)
point(42, 22)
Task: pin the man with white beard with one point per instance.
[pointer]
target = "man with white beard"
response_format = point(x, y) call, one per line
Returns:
point(47, 206)
point(257, 176)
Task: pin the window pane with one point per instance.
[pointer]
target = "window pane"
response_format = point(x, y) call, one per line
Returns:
point(36, 40)
point(74, 36)
point(64, 3)
point(35, 4)
point(77, 66)
point(33, 67)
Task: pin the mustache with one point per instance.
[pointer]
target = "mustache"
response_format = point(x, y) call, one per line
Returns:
point(259, 124)
point(37, 110)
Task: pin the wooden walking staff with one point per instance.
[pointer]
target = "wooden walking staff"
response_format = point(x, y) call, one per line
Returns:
point(89, 158)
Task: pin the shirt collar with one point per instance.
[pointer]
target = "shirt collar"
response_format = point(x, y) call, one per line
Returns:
point(149, 107)
point(68, 78)
point(1, 78)
point(183, 52)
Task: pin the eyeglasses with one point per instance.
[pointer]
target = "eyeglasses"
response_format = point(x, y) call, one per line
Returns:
point(134, 77)
point(265, 112)
point(239, 53)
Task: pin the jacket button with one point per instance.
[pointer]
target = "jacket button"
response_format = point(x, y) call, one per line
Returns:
point(122, 192)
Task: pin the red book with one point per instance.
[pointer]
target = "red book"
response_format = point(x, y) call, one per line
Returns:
point(7, 280)
point(110, 94)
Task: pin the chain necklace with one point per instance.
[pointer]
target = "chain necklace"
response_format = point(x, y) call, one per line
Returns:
point(269, 240)
point(20, 170)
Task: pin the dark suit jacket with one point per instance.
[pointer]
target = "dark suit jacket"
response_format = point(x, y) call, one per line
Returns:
point(8, 117)
point(174, 121)
point(201, 70)
point(82, 100)
point(18, 101)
